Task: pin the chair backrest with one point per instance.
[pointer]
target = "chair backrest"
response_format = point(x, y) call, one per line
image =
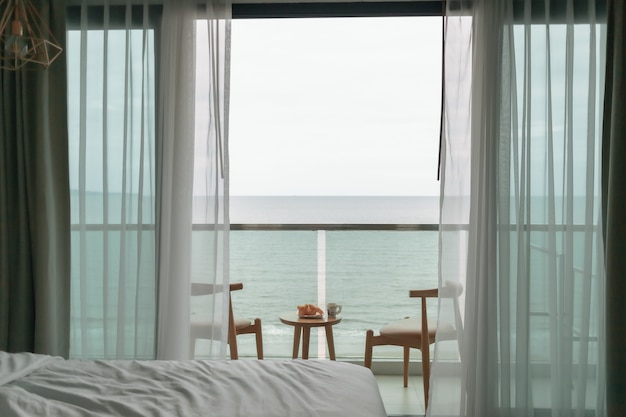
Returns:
point(450, 290)
point(200, 288)
point(454, 290)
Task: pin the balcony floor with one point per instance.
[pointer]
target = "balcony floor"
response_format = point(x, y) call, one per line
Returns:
point(409, 402)
point(400, 401)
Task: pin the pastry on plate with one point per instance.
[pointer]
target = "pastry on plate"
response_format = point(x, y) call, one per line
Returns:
point(309, 310)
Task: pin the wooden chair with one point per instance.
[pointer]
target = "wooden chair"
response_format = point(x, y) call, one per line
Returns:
point(408, 332)
point(236, 325)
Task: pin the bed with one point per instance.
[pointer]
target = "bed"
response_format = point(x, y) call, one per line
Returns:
point(40, 385)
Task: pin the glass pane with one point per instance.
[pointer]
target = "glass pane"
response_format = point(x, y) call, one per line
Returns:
point(112, 182)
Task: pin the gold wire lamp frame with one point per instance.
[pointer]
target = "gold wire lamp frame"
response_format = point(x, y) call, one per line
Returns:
point(25, 40)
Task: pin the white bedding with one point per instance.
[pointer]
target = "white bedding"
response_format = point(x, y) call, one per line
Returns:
point(38, 385)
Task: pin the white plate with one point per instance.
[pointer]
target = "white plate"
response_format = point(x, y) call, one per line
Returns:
point(311, 316)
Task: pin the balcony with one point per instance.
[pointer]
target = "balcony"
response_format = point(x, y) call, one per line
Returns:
point(368, 268)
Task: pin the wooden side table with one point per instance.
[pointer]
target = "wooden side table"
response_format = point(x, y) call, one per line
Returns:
point(303, 327)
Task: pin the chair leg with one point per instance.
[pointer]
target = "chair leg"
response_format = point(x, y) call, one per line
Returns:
point(192, 348)
point(259, 338)
point(232, 341)
point(232, 331)
point(406, 365)
point(426, 374)
point(426, 378)
point(368, 349)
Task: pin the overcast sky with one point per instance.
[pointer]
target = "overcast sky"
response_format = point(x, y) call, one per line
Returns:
point(336, 106)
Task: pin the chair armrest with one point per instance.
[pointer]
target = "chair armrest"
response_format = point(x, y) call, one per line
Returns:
point(449, 290)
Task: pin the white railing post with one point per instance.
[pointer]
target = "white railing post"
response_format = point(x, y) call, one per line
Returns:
point(321, 288)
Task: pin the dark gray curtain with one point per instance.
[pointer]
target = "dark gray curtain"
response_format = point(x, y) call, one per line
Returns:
point(614, 199)
point(34, 204)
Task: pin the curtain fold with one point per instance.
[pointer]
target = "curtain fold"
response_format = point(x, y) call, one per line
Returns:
point(112, 163)
point(149, 179)
point(520, 208)
point(614, 205)
point(176, 145)
point(193, 203)
point(34, 204)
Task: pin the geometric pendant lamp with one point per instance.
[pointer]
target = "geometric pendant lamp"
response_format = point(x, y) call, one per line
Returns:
point(25, 40)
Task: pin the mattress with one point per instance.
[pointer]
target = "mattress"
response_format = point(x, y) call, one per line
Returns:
point(39, 385)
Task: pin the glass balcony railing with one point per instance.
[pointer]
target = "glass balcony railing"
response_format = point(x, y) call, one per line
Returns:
point(369, 269)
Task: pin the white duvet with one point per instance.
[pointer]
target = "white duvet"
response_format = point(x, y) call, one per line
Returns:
point(39, 385)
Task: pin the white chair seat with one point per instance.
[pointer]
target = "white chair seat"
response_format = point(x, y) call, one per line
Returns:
point(412, 326)
point(204, 327)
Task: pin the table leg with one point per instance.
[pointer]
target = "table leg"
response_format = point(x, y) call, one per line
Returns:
point(306, 336)
point(296, 341)
point(330, 341)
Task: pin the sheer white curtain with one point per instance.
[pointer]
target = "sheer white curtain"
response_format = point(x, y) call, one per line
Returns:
point(520, 212)
point(193, 233)
point(147, 160)
point(111, 94)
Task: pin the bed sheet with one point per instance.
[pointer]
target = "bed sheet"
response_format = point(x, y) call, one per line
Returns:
point(38, 385)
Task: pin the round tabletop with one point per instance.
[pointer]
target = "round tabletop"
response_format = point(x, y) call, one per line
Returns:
point(292, 319)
